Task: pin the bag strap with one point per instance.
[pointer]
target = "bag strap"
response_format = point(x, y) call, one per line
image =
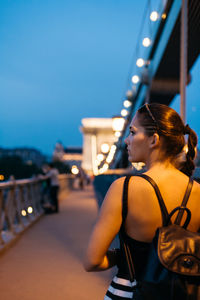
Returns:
point(187, 192)
point(182, 208)
point(125, 198)
point(124, 245)
point(123, 242)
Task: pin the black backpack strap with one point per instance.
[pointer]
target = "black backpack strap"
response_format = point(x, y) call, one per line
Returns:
point(163, 208)
point(187, 192)
point(123, 242)
point(183, 206)
point(125, 198)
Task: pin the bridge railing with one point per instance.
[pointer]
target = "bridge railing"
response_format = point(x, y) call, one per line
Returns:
point(21, 205)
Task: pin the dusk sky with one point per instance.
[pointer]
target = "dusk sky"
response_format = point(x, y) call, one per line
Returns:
point(62, 61)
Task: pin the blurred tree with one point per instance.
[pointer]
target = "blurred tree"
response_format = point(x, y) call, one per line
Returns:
point(14, 165)
point(62, 167)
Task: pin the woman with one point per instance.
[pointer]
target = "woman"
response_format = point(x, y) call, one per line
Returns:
point(157, 138)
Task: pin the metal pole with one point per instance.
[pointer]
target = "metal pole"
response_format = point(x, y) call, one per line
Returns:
point(183, 60)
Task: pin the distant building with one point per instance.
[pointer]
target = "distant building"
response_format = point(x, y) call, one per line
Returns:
point(70, 155)
point(28, 155)
point(73, 156)
point(97, 133)
point(58, 152)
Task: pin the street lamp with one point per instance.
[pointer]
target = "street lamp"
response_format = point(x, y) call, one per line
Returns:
point(105, 148)
point(118, 123)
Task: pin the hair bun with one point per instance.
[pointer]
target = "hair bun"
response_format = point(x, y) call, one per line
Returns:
point(186, 129)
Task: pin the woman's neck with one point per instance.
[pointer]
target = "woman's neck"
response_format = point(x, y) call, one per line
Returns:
point(159, 165)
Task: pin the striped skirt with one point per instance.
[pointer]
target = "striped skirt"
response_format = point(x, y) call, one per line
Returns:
point(120, 289)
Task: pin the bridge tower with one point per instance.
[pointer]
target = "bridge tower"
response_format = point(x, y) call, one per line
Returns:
point(98, 137)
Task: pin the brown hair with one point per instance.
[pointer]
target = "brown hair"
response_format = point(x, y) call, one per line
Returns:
point(168, 124)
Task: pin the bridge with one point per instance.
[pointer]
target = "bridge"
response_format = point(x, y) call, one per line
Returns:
point(165, 70)
point(45, 261)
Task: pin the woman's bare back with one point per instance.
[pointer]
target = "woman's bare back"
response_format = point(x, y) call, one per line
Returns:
point(144, 215)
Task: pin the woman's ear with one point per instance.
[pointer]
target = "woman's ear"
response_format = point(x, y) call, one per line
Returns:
point(154, 141)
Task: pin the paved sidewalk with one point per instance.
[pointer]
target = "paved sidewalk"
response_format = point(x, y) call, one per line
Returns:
point(46, 263)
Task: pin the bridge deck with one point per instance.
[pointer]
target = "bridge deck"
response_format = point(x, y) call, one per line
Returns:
point(46, 262)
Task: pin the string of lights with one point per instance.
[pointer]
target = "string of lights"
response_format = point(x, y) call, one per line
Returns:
point(153, 13)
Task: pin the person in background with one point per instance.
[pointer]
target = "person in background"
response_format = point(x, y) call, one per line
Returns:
point(52, 173)
point(81, 177)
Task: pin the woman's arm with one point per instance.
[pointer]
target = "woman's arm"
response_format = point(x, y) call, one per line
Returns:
point(98, 257)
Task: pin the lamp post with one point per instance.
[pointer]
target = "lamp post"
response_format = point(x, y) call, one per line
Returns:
point(183, 58)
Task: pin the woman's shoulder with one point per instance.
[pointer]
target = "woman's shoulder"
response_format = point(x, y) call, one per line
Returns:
point(136, 185)
point(118, 185)
point(119, 182)
point(115, 189)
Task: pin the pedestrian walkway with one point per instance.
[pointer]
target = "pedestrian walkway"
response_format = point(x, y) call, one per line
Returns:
point(46, 262)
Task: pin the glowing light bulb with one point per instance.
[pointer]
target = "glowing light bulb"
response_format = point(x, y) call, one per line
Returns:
point(185, 148)
point(138, 166)
point(135, 79)
point(100, 157)
point(23, 212)
point(117, 134)
point(164, 16)
point(124, 112)
point(127, 103)
point(97, 162)
point(118, 123)
point(74, 170)
point(105, 166)
point(129, 93)
point(1, 177)
point(105, 148)
point(113, 148)
point(140, 62)
point(146, 42)
point(30, 210)
point(154, 16)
